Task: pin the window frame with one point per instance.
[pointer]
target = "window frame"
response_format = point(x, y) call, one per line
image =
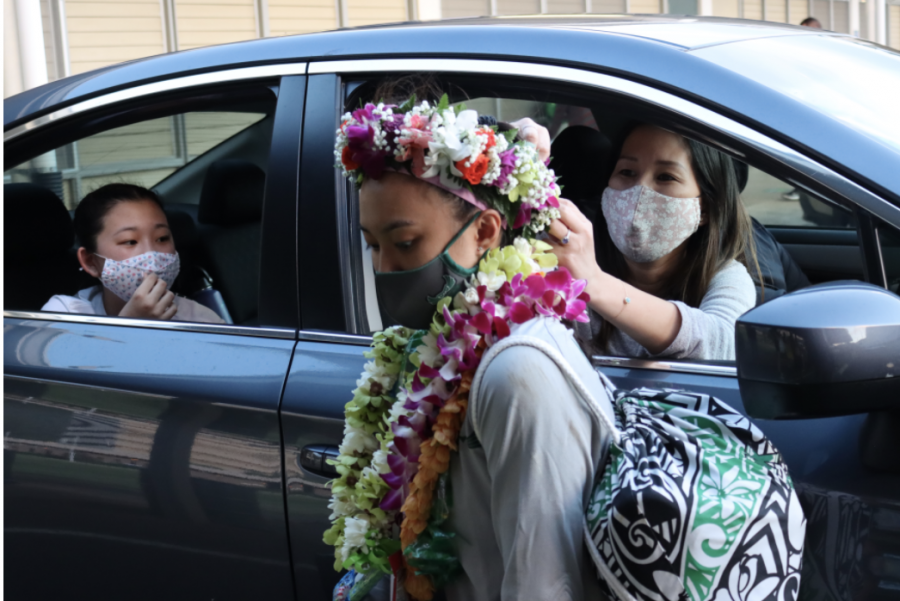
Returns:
point(32, 138)
point(714, 128)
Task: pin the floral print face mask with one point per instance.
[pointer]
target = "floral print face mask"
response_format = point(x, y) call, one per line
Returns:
point(124, 277)
point(646, 225)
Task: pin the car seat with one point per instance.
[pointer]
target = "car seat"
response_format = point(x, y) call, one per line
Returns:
point(39, 258)
point(230, 216)
point(193, 281)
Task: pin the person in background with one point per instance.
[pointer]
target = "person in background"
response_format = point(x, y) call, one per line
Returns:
point(675, 245)
point(126, 243)
point(811, 22)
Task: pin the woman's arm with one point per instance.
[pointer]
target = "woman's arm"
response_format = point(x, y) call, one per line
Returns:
point(652, 322)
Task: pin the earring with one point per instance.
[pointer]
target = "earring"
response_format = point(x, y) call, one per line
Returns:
point(480, 250)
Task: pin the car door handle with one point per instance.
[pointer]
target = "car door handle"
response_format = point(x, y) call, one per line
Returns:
point(312, 458)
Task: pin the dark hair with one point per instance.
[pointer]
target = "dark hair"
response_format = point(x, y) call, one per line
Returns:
point(808, 21)
point(727, 235)
point(91, 211)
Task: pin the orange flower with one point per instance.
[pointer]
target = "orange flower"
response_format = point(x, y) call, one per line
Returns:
point(492, 141)
point(347, 159)
point(418, 586)
point(474, 173)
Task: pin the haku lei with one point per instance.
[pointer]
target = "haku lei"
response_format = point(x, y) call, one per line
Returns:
point(397, 445)
point(446, 145)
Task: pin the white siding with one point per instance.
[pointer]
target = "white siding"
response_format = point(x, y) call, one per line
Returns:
point(208, 22)
point(518, 7)
point(373, 12)
point(644, 6)
point(451, 9)
point(776, 10)
point(301, 16)
point(894, 26)
point(726, 8)
point(105, 32)
point(565, 7)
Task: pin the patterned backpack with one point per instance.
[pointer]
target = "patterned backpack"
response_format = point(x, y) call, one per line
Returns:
point(694, 504)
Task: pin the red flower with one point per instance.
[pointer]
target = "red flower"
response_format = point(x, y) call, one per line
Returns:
point(347, 159)
point(492, 141)
point(474, 173)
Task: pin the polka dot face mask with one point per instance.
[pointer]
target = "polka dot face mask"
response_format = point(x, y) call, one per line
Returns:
point(124, 277)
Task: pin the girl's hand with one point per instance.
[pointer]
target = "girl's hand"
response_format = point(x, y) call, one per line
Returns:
point(151, 300)
point(578, 254)
point(536, 134)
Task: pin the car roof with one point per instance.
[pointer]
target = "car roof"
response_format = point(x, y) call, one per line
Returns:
point(486, 36)
point(655, 49)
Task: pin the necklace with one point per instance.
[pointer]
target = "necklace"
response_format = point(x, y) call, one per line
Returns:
point(389, 504)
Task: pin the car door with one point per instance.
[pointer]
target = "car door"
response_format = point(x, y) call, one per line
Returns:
point(143, 458)
point(846, 497)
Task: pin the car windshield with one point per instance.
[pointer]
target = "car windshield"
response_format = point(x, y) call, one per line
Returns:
point(851, 80)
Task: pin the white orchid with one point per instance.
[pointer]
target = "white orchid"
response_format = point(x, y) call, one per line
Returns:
point(357, 441)
point(492, 281)
point(428, 351)
point(355, 530)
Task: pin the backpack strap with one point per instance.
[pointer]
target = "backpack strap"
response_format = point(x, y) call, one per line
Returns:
point(561, 363)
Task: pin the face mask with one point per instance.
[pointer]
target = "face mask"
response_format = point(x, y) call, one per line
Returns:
point(409, 298)
point(646, 225)
point(124, 277)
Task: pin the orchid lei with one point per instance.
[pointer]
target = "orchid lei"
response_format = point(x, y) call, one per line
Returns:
point(395, 448)
point(403, 422)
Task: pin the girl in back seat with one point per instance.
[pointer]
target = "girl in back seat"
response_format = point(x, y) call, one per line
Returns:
point(126, 243)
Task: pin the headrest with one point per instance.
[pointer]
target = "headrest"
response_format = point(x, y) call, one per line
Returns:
point(232, 193)
point(742, 172)
point(35, 222)
point(183, 229)
point(580, 155)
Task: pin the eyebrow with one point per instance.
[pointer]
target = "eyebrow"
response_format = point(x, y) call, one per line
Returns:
point(670, 163)
point(393, 225)
point(134, 228)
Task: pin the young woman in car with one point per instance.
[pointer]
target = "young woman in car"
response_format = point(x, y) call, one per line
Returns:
point(126, 243)
point(669, 277)
point(441, 196)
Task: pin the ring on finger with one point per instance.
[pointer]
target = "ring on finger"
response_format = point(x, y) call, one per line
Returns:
point(565, 239)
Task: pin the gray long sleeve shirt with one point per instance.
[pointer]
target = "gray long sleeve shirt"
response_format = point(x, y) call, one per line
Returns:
point(521, 484)
point(707, 331)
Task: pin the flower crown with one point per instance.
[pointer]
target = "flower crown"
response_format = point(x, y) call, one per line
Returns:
point(447, 147)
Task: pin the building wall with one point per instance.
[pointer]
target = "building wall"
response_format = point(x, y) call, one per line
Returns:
point(894, 26)
point(105, 32)
point(373, 12)
point(288, 17)
point(465, 8)
point(208, 22)
point(99, 33)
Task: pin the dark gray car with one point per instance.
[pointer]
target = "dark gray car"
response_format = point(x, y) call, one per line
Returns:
point(149, 460)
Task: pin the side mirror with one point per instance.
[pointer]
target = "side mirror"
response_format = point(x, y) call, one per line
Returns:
point(830, 349)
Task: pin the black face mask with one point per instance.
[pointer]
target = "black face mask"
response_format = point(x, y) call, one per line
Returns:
point(409, 298)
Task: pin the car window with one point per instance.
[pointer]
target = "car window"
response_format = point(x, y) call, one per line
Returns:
point(774, 202)
point(142, 153)
point(805, 238)
point(208, 167)
point(890, 252)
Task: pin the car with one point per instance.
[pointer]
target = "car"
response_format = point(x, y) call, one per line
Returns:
point(147, 459)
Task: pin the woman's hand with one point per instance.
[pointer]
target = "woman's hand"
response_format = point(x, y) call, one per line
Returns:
point(152, 300)
point(577, 255)
point(536, 134)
